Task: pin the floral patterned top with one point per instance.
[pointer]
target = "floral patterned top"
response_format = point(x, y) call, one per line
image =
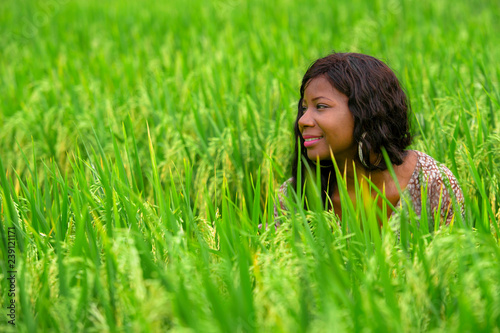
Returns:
point(428, 173)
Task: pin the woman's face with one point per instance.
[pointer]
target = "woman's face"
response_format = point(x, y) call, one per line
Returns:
point(326, 122)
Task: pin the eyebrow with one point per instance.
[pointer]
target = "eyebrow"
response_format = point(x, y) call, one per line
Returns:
point(316, 98)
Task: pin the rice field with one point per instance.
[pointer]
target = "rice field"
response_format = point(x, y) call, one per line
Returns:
point(142, 143)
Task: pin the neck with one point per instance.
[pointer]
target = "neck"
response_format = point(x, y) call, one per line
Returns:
point(351, 169)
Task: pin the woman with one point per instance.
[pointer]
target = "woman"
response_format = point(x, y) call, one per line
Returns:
point(351, 106)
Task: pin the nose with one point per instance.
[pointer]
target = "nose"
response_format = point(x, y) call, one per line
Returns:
point(306, 120)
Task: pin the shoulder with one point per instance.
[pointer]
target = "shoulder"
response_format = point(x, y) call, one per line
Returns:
point(282, 193)
point(427, 165)
point(432, 170)
point(440, 182)
point(284, 187)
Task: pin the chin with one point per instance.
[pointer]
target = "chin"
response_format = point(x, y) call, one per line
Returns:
point(315, 157)
point(312, 157)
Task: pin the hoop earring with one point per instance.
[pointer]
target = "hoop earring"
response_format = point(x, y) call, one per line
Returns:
point(360, 153)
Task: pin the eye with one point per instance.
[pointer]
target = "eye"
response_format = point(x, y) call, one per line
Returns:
point(321, 106)
point(303, 109)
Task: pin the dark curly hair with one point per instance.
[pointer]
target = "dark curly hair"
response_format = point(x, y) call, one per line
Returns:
point(377, 102)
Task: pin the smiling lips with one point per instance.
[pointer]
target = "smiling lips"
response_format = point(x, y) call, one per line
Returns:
point(311, 140)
